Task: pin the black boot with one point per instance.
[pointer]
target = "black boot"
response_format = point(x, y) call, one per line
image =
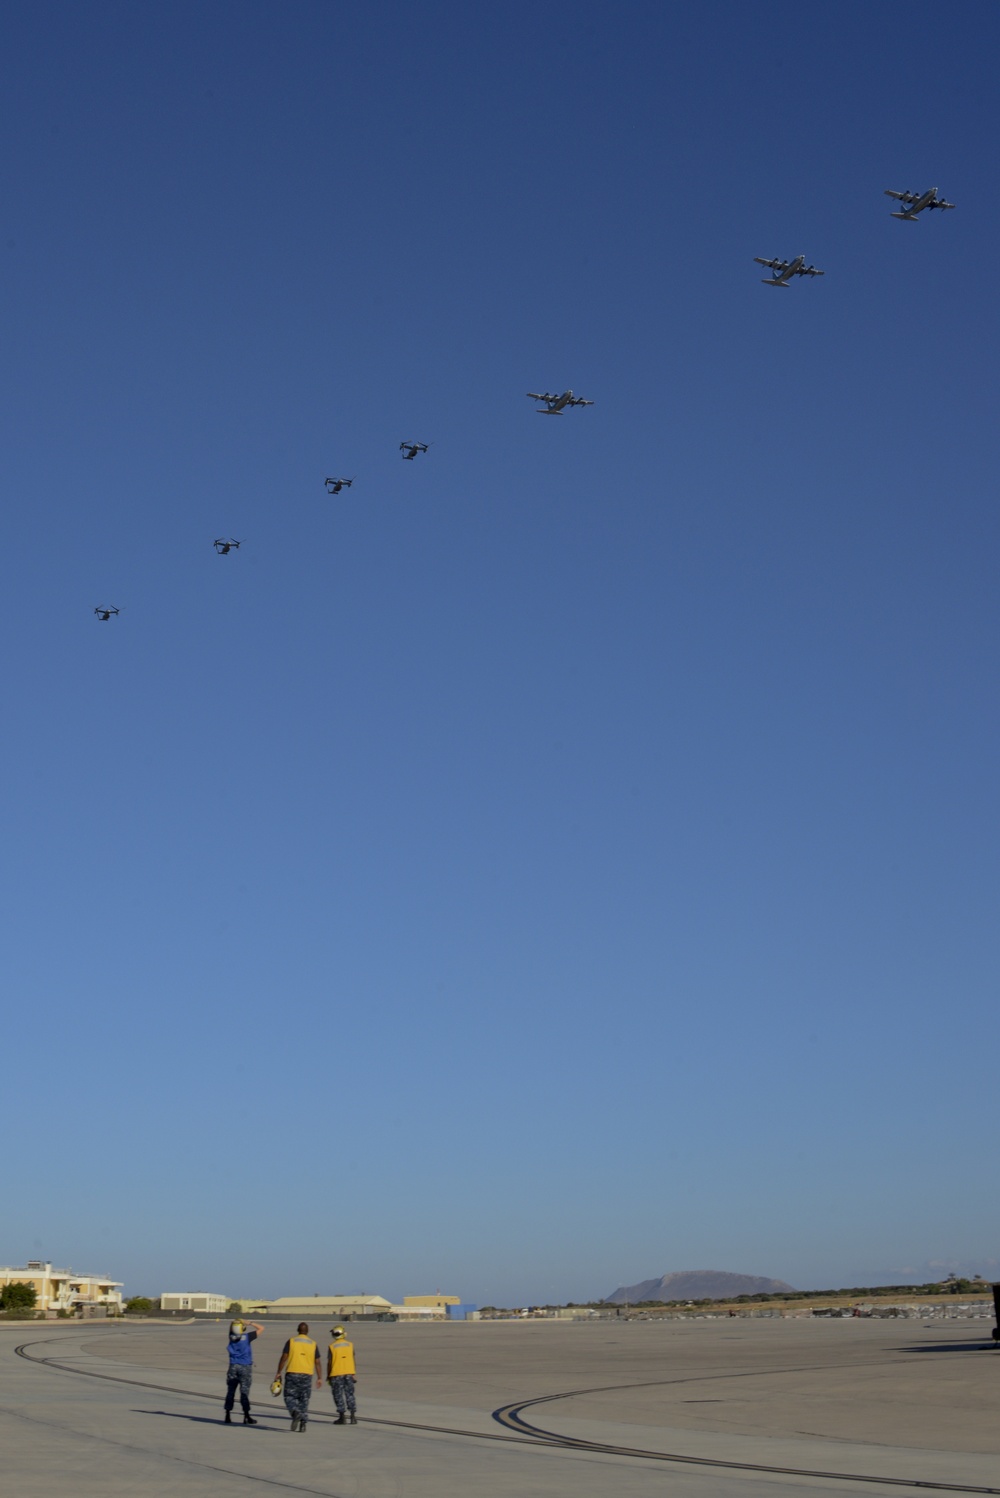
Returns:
point(340, 1420)
point(248, 1419)
point(295, 1422)
point(228, 1420)
point(354, 1418)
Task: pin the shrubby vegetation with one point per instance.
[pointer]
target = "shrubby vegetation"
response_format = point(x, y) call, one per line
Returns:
point(141, 1305)
point(18, 1296)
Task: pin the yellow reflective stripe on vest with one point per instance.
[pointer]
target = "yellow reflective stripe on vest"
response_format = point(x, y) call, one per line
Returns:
point(341, 1358)
point(301, 1355)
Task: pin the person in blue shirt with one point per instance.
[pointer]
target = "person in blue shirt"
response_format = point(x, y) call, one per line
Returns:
point(240, 1375)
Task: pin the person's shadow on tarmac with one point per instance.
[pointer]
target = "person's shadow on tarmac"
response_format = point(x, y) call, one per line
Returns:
point(203, 1419)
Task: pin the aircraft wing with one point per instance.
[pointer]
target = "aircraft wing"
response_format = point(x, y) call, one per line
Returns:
point(579, 401)
point(772, 264)
point(533, 397)
point(901, 197)
point(810, 270)
point(940, 203)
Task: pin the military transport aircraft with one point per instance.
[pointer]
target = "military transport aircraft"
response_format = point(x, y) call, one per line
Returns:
point(224, 547)
point(105, 614)
point(785, 269)
point(556, 404)
point(916, 202)
point(410, 449)
point(334, 486)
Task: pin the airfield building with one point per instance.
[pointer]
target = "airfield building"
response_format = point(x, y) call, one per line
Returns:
point(451, 1306)
point(321, 1306)
point(350, 1307)
point(195, 1300)
point(63, 1290)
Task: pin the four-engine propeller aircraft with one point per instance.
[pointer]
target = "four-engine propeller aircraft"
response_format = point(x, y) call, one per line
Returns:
point(555, 405)
point(916, 202)
point(785, 269)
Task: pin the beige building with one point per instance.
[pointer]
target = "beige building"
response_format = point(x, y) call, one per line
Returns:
point(436, 1302)
point(409, 1312)
point(62, 1290)
point(195, 1300)
point(321, 1306)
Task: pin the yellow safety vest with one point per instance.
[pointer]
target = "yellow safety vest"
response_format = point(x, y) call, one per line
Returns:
point(341, 1358)
point(301, 1355)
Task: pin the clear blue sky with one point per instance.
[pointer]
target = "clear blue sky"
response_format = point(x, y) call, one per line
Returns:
point(571, 856)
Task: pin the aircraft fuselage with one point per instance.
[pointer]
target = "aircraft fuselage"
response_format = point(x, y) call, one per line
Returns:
point(786, 274)
point(557, 406)
point(912, 209)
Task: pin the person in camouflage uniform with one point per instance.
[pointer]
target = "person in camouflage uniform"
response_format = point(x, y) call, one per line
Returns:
point(240, 1374)
point(299, 1361)
point(341, 1375)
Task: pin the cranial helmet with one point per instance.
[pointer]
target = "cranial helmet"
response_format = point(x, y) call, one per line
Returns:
point(236, 1328)
point(338, 1331)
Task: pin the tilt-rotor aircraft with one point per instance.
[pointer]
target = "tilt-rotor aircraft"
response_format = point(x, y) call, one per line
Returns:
point(555, 405)
point(785, 269)
point(916, 202)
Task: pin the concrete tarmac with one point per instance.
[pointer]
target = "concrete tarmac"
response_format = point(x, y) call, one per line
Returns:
point(725, 1408)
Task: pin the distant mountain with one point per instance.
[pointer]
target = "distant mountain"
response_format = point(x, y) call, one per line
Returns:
point(697, 1284)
